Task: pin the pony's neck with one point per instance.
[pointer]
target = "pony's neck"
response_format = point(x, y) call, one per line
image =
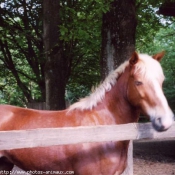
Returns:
point(117, 103)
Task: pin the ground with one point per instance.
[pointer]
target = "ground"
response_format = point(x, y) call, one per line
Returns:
point(152, 157)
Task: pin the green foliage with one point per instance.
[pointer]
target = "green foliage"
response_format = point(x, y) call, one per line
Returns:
point(148, 24)
point(21, 29)
point(21, 51)
point(80, 31)
point(82, 34)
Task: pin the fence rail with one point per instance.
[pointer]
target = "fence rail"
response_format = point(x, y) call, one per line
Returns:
point(43, 137)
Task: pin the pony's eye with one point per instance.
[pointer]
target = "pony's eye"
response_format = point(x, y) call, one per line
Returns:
point(138, 83)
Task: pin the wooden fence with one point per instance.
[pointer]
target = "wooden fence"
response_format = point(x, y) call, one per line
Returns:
point(43, 137)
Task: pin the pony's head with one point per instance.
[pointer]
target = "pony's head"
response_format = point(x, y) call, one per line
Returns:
point(145, 89)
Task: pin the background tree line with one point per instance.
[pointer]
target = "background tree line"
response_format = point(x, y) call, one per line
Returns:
point(55, 49)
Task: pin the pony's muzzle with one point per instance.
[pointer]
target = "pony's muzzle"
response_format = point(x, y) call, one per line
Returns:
point(162, 124)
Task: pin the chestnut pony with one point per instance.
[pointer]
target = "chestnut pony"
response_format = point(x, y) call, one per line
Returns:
point(134, 87)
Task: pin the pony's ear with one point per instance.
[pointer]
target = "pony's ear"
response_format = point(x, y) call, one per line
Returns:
point(159, 56)
point(134, 59)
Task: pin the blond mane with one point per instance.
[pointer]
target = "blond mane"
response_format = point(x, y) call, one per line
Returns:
point(97, 96)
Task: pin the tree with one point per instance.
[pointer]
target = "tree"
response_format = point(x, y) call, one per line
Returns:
point(78, 43)
point(118, 35)
point(70, 44)
point(21, 45)
point(83, 38)
point(57, 66)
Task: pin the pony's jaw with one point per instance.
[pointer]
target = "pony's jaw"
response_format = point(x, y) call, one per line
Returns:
point(160, 114)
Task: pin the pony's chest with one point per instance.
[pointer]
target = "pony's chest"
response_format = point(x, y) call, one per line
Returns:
point(100, 158)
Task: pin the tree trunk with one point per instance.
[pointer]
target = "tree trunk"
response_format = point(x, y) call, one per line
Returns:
point(56, 65)
point(118, 35)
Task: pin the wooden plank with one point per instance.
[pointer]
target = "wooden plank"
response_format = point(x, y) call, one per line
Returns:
point(73, 135)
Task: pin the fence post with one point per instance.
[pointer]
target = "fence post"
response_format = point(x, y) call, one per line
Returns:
point(129, 167)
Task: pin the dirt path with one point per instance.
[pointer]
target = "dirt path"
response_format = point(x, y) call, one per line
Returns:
point(154, 157)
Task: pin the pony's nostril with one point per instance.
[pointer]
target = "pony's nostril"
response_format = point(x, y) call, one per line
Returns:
point(157, 124)
point(158, 120)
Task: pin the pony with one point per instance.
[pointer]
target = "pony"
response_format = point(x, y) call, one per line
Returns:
point(134, 87)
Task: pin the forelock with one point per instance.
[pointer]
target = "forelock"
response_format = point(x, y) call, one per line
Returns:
point(148, 67)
